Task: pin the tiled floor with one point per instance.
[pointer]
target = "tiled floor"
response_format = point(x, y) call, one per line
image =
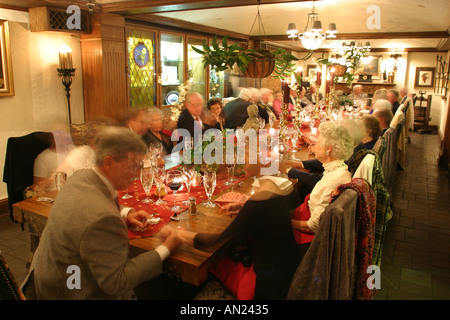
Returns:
point(416, 252)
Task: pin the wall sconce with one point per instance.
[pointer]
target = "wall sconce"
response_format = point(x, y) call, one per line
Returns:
point(66, 72)
point(394, 61)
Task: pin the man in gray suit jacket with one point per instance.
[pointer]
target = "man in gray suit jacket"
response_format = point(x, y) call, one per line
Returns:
point(83, 251)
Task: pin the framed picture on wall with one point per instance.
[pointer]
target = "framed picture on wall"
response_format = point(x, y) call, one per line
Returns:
point(369, 66)
point(424, 78)
point(6, 75)
point(311, 71)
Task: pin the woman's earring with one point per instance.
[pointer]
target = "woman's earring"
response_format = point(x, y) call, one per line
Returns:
point(327, 152)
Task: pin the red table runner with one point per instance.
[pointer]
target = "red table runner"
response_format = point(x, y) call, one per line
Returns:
point(137, 192)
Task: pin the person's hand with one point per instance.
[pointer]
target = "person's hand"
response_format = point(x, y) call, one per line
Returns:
point(136, 217)
point(187, 236)
point(232, 208)
point(170, 238)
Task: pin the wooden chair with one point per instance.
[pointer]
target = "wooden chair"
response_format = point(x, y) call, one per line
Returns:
point(334, 265)
point(9, 290)
point(18, 170)
point(422, 115)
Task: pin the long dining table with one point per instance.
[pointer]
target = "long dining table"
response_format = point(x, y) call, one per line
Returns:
point(188, 263)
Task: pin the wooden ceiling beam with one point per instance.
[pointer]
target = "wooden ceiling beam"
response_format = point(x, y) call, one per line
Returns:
point(373, 35)
point(184, 25)
point(163, 6)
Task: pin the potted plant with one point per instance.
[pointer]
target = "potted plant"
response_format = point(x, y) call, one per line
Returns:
point(255, 63)
point(346, 71)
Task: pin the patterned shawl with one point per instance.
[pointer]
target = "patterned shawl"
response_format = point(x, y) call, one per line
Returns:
point(382, 196)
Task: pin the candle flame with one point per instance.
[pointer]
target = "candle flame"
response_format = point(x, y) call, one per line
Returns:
point(65, 49)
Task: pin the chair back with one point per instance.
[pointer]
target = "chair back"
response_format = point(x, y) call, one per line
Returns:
point(9, 290)
point(326, 270)
point(19, 160)
point(365, 168)
point(380, 146)
point(389, 159)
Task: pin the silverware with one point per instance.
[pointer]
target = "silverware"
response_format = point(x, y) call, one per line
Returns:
point(178, 219)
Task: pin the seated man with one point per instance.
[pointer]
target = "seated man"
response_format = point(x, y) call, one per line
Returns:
point(393, 96)
point(191, 116)
point(236, 110)
point(136, 121)
point(87, 233)
point(384, 116)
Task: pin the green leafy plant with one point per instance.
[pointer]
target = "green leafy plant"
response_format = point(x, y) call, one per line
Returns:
point(221, 56)
point(352, 57)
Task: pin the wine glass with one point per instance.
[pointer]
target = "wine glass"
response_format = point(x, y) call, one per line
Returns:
point(147, 176)
point(189, 173)
point(174, 180)
point(230, 171)
point(160, 176)
point(133, 166)
point(209, 182)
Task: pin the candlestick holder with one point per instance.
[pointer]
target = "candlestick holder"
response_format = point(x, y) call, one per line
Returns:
point(67, 75)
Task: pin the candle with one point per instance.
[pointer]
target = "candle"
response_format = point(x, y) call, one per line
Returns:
point(318, 77)
point(65, 58)
point(287, 92)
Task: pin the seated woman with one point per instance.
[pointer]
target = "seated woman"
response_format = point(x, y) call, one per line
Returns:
point(155, 133)
point(314, 167)
point(278, 102)
point(371, 129)
point(215, 107)
point(81, 157)
point(47, 162)
point(333, 147)
point(263, 223)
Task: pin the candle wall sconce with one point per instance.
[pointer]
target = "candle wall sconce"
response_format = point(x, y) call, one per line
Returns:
point(66, 72)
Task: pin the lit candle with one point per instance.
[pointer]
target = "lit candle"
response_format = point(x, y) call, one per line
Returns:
point(65, 58)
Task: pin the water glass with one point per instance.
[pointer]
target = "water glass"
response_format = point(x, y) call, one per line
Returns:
point(147, 176)
point(209, 182)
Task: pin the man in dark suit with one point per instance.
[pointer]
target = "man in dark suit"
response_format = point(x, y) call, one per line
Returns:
point(393, 96)
point(192, 116)
point(236, 110)
point(86, 236)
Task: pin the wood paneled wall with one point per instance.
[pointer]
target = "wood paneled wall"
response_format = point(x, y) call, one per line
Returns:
point(104, 68)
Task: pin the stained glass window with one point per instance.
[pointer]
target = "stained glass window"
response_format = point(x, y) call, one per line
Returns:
point(142, 85)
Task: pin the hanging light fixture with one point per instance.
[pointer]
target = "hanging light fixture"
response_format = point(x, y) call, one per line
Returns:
point(313, 37)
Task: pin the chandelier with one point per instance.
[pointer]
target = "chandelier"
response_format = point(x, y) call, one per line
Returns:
point(313, 37)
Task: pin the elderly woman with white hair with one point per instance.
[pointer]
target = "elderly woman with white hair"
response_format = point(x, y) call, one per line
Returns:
point(381, 103)
point(155, 132)
point(334, 146)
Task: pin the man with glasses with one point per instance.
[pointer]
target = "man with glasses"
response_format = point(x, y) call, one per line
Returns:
point(83, 252)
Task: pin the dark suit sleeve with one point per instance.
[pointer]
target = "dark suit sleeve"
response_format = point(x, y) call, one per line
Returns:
point(263, 114)
point(313, 165)
point(307, 178)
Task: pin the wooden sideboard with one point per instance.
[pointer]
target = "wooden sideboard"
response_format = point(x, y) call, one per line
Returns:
point(369, 87)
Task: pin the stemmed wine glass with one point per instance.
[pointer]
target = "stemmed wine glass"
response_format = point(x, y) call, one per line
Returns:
point(174, 180)
point(271, 119)
point(189, 173)
point(209, 182)
point(147, 176)
point(160, 176)
point(230, 171)
point(133, 166)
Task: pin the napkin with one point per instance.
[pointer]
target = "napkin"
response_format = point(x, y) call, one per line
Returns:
point(282, 183)
point(231, 197)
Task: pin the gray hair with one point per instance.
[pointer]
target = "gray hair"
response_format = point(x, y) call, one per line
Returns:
point(245, 94)
point(382, 103)
point(358, 86)
point(354, 129)
point(117, 142)
point(337, 137)
point(154, 111)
